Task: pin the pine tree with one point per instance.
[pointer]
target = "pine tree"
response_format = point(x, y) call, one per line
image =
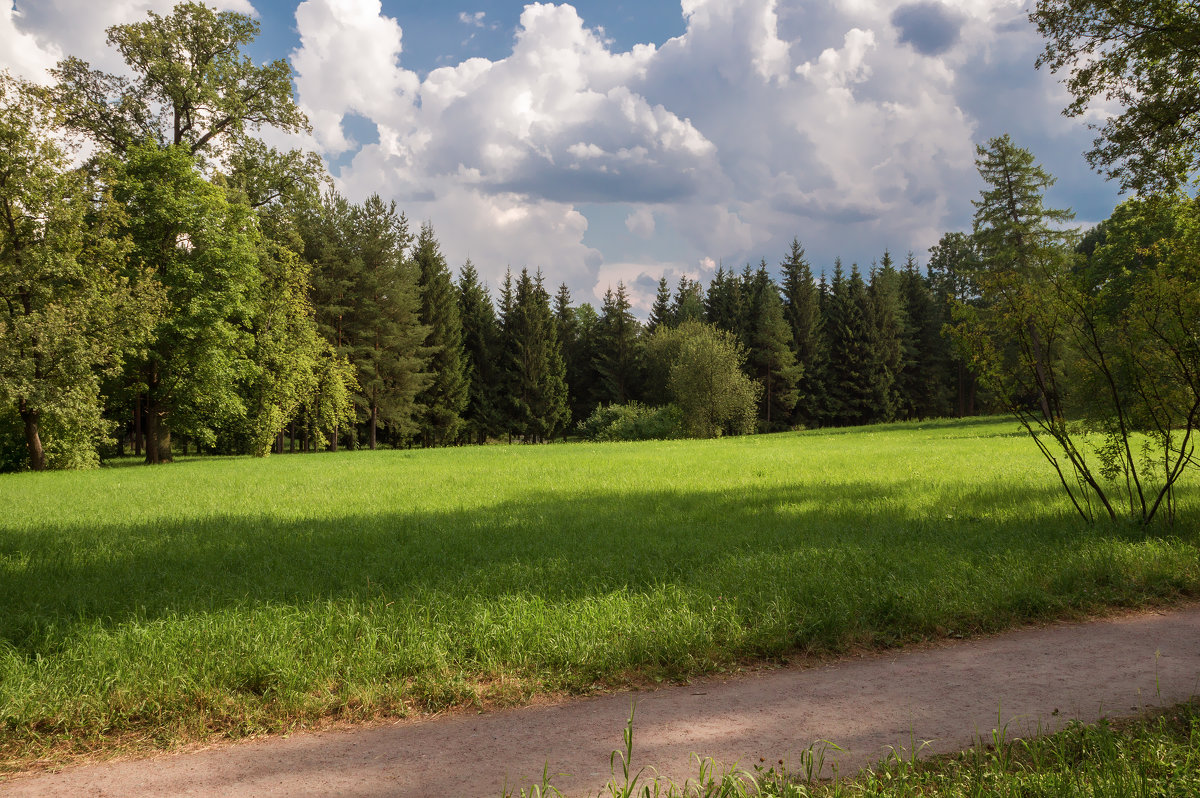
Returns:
point(618, 361)
point(688, 302)
point(922, 383)
point(660, 312)
point(539, 388)
point(890, 328)
point(953, 264)
point(480, 340)
point(724, 304)
point(770, 359)
point(386, 340)
point(802, 312)
point(852, 360)
point(443, 400)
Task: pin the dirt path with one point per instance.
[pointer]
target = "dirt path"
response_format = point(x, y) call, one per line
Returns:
point(948, 695)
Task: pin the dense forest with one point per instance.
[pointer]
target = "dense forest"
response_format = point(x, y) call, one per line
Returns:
point(172, 283)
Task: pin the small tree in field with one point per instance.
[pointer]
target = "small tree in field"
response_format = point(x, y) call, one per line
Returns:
point(1102, 353)
point(703, 368)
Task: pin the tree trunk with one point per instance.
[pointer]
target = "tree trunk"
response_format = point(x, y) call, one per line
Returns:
point(33, 438)
point(137, 425)
point(158, 436)
point(333, 440)
point(279, 442)
point(374, 424)
point(292, 440)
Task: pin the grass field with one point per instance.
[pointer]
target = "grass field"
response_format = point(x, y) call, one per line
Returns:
point(147, 606)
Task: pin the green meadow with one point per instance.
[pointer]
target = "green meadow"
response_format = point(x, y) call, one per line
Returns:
point(143, 607)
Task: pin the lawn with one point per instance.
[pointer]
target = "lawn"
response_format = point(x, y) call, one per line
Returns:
point(229, 596)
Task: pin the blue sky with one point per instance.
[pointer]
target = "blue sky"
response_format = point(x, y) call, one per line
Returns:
point(606, 141)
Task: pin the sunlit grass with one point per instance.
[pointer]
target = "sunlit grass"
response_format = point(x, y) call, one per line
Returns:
point(144, 606)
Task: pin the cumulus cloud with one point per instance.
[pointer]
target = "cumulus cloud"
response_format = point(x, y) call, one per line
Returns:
point(641, 222)
point(850, 123)
point(35, 34)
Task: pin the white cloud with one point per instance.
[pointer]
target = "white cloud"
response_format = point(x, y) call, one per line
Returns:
point(40, 32)
point(765, 119)
point(641, 222)
point(474, 20)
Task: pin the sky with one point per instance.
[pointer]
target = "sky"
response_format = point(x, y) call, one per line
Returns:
point(629, 140)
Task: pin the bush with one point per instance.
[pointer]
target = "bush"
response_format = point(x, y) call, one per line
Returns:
point(633, 422)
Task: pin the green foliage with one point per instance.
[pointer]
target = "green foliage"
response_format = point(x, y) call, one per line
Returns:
point(1111, 345)
point(444, 398)
point(703, 366)
point(633, 421)
point(538, 386)
point(891, 328)
point(802, 311)
point(1143, 55)
point(771, 360)
point(853, 381)
point(190, 65)
point(204, 250)
point(660, 312)
point(618, 360)
point(68, 315)
point(480, 343)
point(377, 305)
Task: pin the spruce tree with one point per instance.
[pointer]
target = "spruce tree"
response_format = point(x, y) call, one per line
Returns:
point(852, 396)
point(583, 381)
point(922, 383)
point(802, 311)
point(770, 358)
point(953, 264)
point(539, 388)
point(618, 353)
point(444, 398)
point(480, 340)
point(386, 340)
point(688, 302)
point(890, 328)
point(660, 312)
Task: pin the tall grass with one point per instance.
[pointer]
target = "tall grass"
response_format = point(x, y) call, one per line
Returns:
point(143, 606)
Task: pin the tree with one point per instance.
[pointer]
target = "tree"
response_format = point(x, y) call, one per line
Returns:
point(706, 378)
point(68, 314)
point(802, 311)
point(203, 249)
point(480, 340)
point(1145, 56)
point(191, 86)
point(891, 329)
point(383, 326)
point(618, 357)
point(442, 401)
point(852, 395)
point(1020, 336)
point(288, 353)
point(539, 388)
point(953, 268)
point(771, 361)
point(192, 100)
point(688, 302)
point(660, 312)
point(923, 383)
